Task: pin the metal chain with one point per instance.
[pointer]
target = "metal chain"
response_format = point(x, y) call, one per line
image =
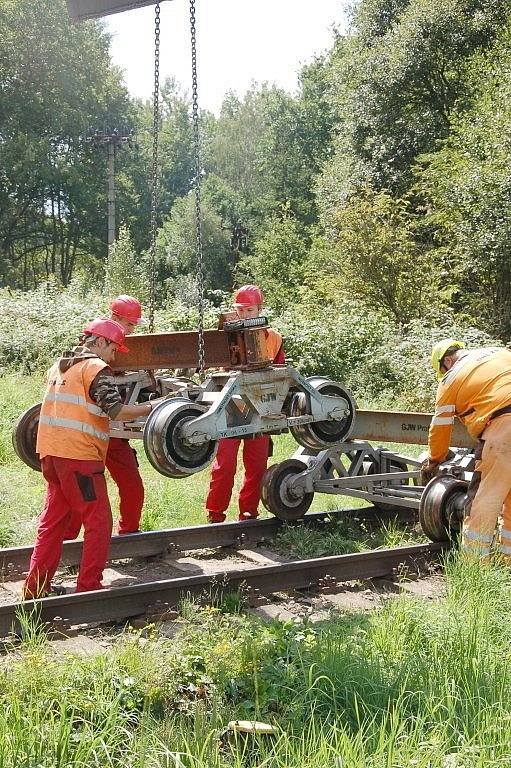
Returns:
point(197, 186)
point(154, 186)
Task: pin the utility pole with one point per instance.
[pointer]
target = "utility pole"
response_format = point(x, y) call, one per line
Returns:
point(112, 139)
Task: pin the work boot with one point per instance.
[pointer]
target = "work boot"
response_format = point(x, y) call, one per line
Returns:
point(248, 515)
point(215, 517)
point(55, 590)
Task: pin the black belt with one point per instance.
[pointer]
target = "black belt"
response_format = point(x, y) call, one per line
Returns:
point(500, 412)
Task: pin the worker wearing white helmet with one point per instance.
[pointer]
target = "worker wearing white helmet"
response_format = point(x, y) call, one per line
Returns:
point(475, 386)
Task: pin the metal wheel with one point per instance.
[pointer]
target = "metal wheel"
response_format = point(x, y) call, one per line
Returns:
point(24, 436)
point(441, 507)
point(276, 494)
point(168, 453)
point(322, 434)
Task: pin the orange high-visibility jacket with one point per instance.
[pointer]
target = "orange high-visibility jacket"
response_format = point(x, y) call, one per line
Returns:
point(477, 385)
point(72, 425)
point(273, 343)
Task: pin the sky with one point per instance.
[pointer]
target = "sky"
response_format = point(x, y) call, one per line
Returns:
point(238, 42)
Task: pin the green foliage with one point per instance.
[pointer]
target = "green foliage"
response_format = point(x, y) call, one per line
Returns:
point(55, 81)
point(395, 81)
point(468, 194)
point(384, 364)
point(280, 250)
point(36, 326)
point(177, 249)
point(125, 271)
point(175, 171)
point(268, 147)
point(374, 254)
point(414, 682)
point(341, 536)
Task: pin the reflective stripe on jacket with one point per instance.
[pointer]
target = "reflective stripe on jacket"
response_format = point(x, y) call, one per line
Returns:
point(477, 385)
point(71, 425)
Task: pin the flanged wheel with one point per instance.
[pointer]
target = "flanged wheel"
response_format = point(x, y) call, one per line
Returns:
point(168, 453)
point(24, 437)
point(322, 434)
point(441, 507)
point(277, 495)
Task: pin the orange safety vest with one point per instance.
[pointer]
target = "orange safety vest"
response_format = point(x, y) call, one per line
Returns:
point(72, 425)
point(273, 343)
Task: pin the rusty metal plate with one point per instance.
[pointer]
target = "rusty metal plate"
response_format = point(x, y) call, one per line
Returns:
point(93, 9)
point(403, 427)
point(179, 349)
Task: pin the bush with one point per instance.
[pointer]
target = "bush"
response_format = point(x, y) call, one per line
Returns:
point(36, 326)
point(384, 364)
point(125, 271)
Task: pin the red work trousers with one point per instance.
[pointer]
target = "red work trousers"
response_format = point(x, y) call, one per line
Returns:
point(255, 457)
point(489, 493)
point(121, 462)
point(74, 487)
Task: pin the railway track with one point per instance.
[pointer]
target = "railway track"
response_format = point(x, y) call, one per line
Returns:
point(14, 561)
point(155, 598)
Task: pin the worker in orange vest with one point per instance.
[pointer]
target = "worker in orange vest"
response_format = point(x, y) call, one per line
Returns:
point(475, 386)
point(248, 301)
point(72, 441)
point(121, 458)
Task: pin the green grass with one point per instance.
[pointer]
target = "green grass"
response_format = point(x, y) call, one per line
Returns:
point(411, 684)
point(348, 534)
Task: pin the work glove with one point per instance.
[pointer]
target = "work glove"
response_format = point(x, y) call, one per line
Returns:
point(428, 470)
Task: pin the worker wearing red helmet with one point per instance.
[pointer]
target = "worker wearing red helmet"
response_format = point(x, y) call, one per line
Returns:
point(121, 458)
point(72, 441)
point(248, 301)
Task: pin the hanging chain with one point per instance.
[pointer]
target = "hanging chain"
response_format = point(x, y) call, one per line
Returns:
point(197, 185)
point(154, 186)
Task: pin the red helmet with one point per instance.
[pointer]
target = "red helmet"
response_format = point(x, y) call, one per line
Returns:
point(248, 296)
point(107, 329)
point(127, 307)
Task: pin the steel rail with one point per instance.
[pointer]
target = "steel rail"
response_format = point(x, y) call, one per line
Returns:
point(121, 603)
point(14, 561)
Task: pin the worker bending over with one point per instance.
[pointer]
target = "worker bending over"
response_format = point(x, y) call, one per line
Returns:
point(121, 458)
point(248, 302)
point(475, 386)
point(72, 441)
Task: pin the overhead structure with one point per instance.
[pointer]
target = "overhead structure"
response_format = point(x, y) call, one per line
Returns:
point(79, 10)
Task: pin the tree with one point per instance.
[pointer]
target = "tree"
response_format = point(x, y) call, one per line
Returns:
point(278, 261)
point(176, 164)
point(177, 243)
point(55, 80)
point(467, 194)
point(125, 271)
point(269, 147)
point(395, 82)
point(373, 254)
